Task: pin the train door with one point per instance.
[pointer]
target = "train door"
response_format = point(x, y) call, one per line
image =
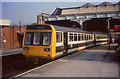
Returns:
point(65, 42)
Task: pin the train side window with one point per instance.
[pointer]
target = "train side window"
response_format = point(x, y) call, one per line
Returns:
point(89, 37)
point(70, 37)
point(58, 37)
point(86, 37)
point(75, 37)
point(82, 37)
point(97, 36)
point(79, 37)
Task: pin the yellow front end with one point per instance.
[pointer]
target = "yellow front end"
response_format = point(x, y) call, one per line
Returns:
point(40, 51)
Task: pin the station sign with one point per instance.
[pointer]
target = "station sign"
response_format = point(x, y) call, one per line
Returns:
point(117, 27)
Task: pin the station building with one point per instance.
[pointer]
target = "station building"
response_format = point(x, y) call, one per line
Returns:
point(84, 13)
point(10, 36)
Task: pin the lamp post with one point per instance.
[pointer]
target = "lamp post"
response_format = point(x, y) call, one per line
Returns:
point(108, 20)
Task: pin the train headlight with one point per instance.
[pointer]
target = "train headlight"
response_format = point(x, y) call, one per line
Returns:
point(26, 48)
point(46, 49)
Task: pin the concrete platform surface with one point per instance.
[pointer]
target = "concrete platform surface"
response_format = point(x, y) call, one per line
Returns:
point(92, 62)
point(6, 52)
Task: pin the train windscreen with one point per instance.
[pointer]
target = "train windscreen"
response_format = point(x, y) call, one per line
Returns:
point(38, 38)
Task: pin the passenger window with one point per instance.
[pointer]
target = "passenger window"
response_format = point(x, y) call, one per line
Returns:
point(91, 37)
point(87, 37)
point(58, 37)
point(82, 37)
point(75, 37)
point(70, 37)
point(79, 37)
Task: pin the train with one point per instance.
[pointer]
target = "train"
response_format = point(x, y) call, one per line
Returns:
point(51, 41)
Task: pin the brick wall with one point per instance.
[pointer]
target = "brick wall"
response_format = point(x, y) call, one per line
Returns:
point(10, 37)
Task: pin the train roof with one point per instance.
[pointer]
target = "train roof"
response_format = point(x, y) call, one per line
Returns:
point(66, 29)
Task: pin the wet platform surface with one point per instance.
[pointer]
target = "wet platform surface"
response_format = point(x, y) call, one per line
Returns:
point(92, 62)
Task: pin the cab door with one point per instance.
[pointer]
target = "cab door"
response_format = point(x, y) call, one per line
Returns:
point(65, 42)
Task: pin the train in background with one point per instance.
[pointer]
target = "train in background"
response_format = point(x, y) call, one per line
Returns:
point(51, 41)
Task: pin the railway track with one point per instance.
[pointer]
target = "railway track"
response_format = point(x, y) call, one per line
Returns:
point(13, 65)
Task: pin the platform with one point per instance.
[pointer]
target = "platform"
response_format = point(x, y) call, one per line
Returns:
point(92, 62)
point(7, 52)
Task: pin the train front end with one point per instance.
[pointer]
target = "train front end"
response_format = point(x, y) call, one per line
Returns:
point(39, 41)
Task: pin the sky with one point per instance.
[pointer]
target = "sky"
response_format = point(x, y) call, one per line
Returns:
point(27, 12)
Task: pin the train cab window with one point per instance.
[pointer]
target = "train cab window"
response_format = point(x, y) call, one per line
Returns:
point(46, 38)
point(58, 37)
point(75, 37)
point(28, 38)
point(70, 37)
point(36, 39)
point(79, 37)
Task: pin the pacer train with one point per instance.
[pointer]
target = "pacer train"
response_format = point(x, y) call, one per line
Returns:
point(51, 41)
